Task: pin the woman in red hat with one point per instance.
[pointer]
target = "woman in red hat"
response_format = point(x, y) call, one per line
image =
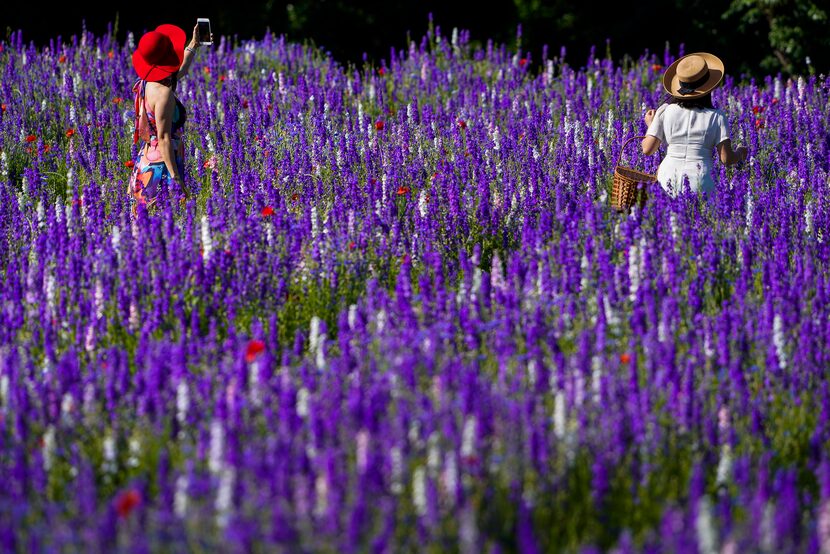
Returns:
point(160, 60)
point(692, 128)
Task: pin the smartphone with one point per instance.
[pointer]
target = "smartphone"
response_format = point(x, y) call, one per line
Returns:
point(204, 30)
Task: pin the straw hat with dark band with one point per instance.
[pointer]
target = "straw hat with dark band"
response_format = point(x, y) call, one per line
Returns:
point(693, 75)
point(160, 52)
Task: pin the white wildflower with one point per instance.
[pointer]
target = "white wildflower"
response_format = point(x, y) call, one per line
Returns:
point(433, 453)
point(422, 203)
point(180, 497)
point(182, 402)
point(216, 449)
point(396, 459)
point(48, 448)
point(362, 450)
point(302, 402)
point(321, 494)
point(224, 496)
point(419, 494)
point(134, 452)
point(707, 538)
point(4, 390)
point(559, 414)
point(109, 464)
point(778, 340)
point(352, 315)
point(207, 242)
point(633, 271)
point(468, 437)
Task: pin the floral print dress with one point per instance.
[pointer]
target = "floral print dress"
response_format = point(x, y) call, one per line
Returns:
point(150, 173)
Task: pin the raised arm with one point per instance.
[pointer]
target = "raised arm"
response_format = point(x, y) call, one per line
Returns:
point(190, 51)
point(729, 156)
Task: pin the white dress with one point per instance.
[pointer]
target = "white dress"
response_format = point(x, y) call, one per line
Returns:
point(691, 135)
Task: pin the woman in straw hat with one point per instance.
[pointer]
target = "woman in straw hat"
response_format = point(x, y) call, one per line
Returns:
point(690, 125)
point(160, 60)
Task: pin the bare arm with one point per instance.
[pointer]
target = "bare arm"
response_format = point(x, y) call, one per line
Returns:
point(190, 51)
point(650, 144)
point(729, 156)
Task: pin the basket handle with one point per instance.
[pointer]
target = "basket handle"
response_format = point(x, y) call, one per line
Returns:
point(624, 145)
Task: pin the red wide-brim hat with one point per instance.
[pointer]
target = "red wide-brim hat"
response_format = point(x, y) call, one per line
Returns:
point(160, 52)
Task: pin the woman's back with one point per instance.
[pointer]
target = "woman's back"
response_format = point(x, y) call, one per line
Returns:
point(691, 135)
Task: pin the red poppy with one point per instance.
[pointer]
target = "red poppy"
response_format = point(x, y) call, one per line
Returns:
point(254, 349)
point(129, 163)
point(403, 190)
point(379, 125)
point(117, 100)
point(625, 358)
point(267, 211)
point(245, 104)
point(656, 67)
point(523, 61)
point(62, 58)
point(31, 138)
point(126, 502)
point(381, 71)
point(462, 123)
point(46, 148)
point(757, 109)
point(110, 54)
point(70, 132)
point(295, 197)
point(207, 70)
point(759, 123)
point(775, 100)
point(3, 107)
point(222, 78)
point(352, 244)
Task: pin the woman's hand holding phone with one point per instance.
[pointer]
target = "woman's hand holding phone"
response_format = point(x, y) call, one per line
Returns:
point(203, 34)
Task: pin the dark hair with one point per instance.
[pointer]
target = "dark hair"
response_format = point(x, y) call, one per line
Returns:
point(704, 101)
point(171, 81)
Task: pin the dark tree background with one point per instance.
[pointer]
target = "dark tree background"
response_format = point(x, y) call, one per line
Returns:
point(754, 37)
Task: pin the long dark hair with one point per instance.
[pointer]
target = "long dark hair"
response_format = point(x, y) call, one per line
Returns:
point(704, 101)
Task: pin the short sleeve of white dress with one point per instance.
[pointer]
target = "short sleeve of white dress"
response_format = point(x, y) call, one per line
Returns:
point(721, 128)
point(657, 129)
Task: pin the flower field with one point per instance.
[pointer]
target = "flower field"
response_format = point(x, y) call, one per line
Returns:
point(399, 314)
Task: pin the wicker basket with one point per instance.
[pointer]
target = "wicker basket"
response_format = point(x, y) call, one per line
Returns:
point(629, 184)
